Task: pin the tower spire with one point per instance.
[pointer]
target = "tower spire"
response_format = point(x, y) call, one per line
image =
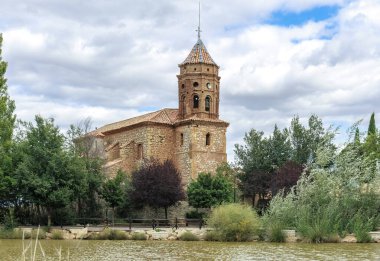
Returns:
point(199, 21)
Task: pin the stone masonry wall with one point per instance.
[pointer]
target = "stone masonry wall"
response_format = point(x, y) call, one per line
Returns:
point(157, 141)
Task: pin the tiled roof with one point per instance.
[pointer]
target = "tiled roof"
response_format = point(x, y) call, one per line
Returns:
point(164, 116)
point(199, 54)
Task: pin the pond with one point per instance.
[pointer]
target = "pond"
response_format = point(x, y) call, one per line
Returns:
point(178, 250)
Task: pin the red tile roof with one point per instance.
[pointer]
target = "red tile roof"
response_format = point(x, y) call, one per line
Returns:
point(199, 54)
point(164, 116)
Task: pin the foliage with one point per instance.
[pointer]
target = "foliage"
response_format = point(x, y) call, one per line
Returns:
point(272, 163)
point(138, 236)
point(116, 191)
point(234, 222)
point(7, 125)
point(286, 177)
point(195, 214)
point(84, 146)
point(57, 234)
point(338, 189)
point(157, 184)
point(275, 232)
point(208, 190)
point(108, 234)
point(188, 236)
point(49, 175)
point(212, 235)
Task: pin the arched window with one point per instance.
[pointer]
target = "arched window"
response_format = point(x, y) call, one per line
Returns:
point(207, 103)
point(181, 139)
point(195, 101)
point(208, 139)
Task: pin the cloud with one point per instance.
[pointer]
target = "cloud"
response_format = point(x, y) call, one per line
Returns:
point(116, 59)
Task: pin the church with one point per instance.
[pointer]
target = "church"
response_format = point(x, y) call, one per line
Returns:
point(192, 136)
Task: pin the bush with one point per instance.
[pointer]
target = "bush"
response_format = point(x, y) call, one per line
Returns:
point(361, 229)
point(188, 236)
point(234, 222)
point(338, 195)
point(108, 234)
point(138, 236)
point(195, 214)
point(57, 235)
point(12, 234)
point(275, 233)
point(213, 235)
point(118, 235)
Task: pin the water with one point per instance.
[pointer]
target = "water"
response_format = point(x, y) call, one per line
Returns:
point(11, 250)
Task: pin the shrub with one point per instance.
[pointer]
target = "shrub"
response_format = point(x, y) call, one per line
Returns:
point(275, 233)
point(41, 234)
point(118, 235)
point(234, 222)
point(338, 195)
point(188, 236)
point(361, 229)
point(195, 214)
point(213, 235)
point(138, 236)
point(12, 234)
point(57, 235)
point(108, 234)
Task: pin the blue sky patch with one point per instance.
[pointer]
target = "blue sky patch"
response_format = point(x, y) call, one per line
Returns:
point(285, 18)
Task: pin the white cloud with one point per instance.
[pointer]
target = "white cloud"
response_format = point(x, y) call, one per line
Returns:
point(115, 59)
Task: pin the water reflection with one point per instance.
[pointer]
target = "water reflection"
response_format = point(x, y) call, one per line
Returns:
point(177, 250)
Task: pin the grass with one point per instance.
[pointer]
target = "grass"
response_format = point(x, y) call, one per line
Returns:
point(57, 235)
point(188, 236)
point(276, 233)
point(109, 234)
point(138, 236)
point(19, 234)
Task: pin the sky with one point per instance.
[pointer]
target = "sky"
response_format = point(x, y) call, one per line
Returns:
point(112, 60)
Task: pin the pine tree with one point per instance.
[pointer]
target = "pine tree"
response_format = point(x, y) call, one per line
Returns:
point(372, 125)
point(357, 137)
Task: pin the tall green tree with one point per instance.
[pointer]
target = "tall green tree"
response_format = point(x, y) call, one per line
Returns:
point(209, 190)
point(372, 125)
point(115, 191)
point(84, 146)
point(7, 124)
point(371, 144)
point(50, 175)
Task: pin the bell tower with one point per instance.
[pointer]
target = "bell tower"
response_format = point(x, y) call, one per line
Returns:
point(198, 84)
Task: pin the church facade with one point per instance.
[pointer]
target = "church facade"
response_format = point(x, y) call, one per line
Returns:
point(192, 136)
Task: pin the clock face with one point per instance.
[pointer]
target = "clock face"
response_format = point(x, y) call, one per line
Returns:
point(208, 85)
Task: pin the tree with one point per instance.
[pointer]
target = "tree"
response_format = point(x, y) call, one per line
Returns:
point(50, 176)
point(286, 177)
point(115, 191)
point(7, 124)
point(208, 190)
point(157, 185)
point(371, 144)
point(84, 146)
point(259, 158)
point(372, 125)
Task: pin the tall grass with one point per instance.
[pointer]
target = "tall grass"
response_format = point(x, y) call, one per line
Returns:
point(338, 195)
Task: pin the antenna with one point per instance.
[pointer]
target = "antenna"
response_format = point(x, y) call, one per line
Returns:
point(199, 22)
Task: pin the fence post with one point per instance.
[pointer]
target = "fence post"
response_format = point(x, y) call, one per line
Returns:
point(200, 223)
point(130, 224)
point(176, 223)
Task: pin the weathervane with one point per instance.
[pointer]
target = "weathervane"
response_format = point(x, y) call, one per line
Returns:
point(199, 22)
